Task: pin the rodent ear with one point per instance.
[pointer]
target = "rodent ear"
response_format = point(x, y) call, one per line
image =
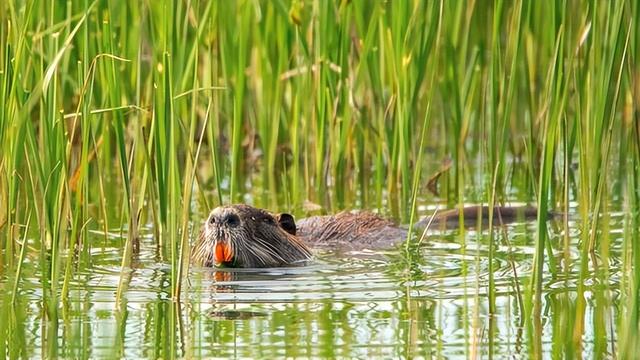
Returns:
point(287, 222)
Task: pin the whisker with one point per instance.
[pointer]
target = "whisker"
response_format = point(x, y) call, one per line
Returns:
point(270, 249)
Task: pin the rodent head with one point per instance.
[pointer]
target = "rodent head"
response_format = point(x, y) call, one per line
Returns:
point(244, 236)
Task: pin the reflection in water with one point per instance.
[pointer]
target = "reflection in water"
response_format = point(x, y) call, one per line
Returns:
point(425, 301)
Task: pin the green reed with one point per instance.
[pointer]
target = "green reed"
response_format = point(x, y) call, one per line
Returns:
point(114, 117)
point(628, 329)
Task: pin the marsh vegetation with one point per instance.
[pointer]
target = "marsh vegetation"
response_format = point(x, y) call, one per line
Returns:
point(123, 123)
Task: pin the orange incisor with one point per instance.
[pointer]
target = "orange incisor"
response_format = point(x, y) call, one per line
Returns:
point(223, 253)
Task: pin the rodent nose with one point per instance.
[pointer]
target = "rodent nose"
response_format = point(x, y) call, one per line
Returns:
point(231, 219)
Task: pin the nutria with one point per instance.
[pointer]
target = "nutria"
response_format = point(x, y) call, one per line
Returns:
point(243, 236)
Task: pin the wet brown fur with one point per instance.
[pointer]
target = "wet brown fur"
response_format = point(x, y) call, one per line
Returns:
point(259, 238)
point(348, 230)
point(256, 237)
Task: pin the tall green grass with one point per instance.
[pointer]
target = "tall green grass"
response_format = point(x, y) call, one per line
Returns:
point(123, 115)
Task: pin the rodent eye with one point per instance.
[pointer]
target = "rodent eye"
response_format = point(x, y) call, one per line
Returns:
point(212, 220)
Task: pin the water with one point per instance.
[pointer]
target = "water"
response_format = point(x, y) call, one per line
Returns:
point(429, 302)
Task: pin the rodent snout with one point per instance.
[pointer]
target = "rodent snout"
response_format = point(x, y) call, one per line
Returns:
point(231, 220)
point(224, 216)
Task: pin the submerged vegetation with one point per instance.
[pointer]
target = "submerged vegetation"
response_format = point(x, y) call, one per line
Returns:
point(122, 115)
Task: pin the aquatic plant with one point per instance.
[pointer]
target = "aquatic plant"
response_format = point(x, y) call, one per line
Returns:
point(118, 116)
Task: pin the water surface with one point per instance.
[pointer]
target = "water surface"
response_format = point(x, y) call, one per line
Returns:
point(430, 300)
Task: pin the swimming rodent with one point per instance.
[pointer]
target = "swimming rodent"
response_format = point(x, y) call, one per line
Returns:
point(244, 236)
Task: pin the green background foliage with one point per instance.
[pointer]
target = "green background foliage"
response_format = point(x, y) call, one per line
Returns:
point(127, 113)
